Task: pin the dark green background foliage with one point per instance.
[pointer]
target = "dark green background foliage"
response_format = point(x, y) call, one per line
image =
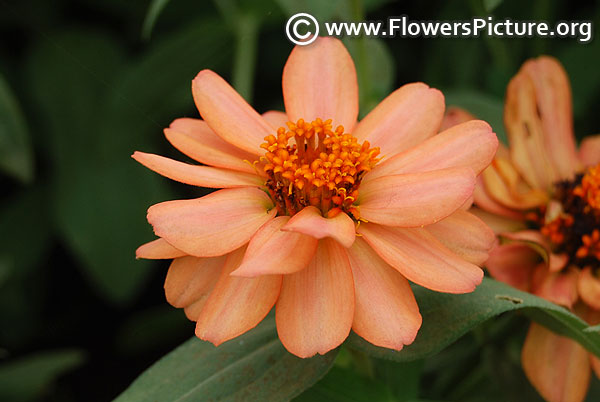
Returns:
point(85, 83)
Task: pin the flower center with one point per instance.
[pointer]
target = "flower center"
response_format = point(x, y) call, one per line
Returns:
point(571, 221)
point(321, 167)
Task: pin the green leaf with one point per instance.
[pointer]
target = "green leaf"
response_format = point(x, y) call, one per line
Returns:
point(154, 10)
point(344, 385)
point(491, 5)
point(482, 106)
point(447, 317)
point(27, 378)
point(251, 367)
point(15, 147)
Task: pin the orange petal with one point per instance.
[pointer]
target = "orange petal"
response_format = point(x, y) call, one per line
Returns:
point(310, 221)
point(485, 201)
point(315, 309)
point(404, 119)
point(195, 139)
point(471, 144)
point(195, 175)
point(215, 224)
point(589, 288)
point(498, 223)
point(273, 251)
point(589, 151)
point(540, 243)
point(465, 235)
point(558, 367)
point(191, 279)
point(228, 114)
point(554, 108)
point(276, 118)
point(421, 258)
point(513, 264)
point(158, 249)
point(236, 304)
point(558, 287)
point(415, 199)
point(385, 312)
point(319, 80)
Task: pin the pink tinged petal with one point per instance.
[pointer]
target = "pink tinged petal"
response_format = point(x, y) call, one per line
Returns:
point(407, 117)
point(465, 235)
point(195, 175)
point(558, 287)
point(310, 222)
point(415, 199)
point(228, 114)
point(319, 80)
point(589, 151)
point(540, 243)
point(589, 288)
point(195, 139)
point(471, 144)
point(215, 224)
point(513, 264)
point(276, 118)
point(455, 115)
point(422, 259)
point(554, 107)
point(191, 279)
point(557, 366)
point(158, 249)
point(386, 312)
point(273, 251)
point(236, 304)
point(316, 306)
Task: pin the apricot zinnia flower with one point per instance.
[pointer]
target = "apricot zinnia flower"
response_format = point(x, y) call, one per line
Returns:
point(548, 196)
point(299, 188)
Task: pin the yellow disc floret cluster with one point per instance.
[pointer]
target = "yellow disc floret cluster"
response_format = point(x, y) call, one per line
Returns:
point(313, 164)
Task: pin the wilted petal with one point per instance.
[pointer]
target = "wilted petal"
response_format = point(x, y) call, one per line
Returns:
point(513, 264)
point(554, 108)
point(228, 114)
point(273, 251)
point(310, 221)
point(539, 243)
point(195, 139)
point(319, 80)
point(191, 279)
point(589, 288)
point(589, 151)
point(465, 235)
point(558, 367)
point(421, 258)
point(407, 117)
point(316, 306)
point(215, 224)
point(195, 175)
point(385, 312)
point(158, 249)
point(415, 199)
point(471, 144)
point(236, 304)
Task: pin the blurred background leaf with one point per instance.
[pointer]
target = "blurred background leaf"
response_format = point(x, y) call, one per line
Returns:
point(16, 158)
